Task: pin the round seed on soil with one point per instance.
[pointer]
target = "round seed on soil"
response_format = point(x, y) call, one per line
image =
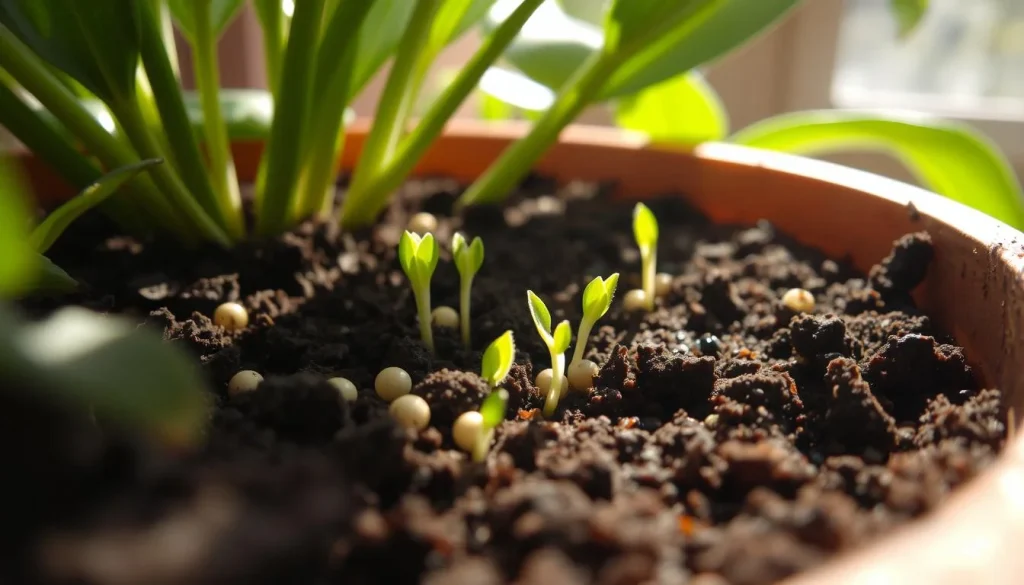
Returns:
point(634, 300)
point(709, 345)
point(392, 383)
point(581, 374)
point(798, 300)
point(662, 284)
point(422, 223)
point(346, 389)
point(411, 411)
point(543, 381)
point(231, 316)
point(244, 381)
point(445, 317)
point(467, 429)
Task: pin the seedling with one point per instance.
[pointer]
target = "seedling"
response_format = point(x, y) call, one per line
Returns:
point(645, 230)
point(557, 341)
point(497, 360)
point(492, 413)
point(418, 256)
point(468, 260)
point(597, 298)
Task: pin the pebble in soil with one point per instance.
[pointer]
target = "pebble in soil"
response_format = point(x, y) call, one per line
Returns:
point(727, 439)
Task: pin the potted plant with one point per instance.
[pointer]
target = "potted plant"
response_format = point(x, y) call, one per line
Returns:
point(739, 430)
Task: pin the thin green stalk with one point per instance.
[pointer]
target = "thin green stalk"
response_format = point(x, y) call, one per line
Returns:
point(30, 72)
point(131, 119)
point(181, 137)
point(273, 47)
point(167, 37)
point(222, 166)
point(555, 391)
point(374, 196)
point(423, 312)
point(465, 289)
point(581, 340)
point(274, 198)
point(650, 262)
point(515, 162)
point(396, 101)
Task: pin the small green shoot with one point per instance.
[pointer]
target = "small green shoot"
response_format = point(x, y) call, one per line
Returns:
point(557, 341)
point(493, 412)
point(498, 359)
point(597, 299)
point(645, 230)
point(468, 260)
point(418, 256)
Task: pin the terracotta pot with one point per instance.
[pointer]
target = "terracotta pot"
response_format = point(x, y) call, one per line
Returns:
point(974, 290)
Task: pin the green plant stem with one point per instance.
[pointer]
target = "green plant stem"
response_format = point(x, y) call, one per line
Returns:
point(482, 445)
point(273, 48)
point(582, 335)
point(134, 125)
point(649, 261)
point(222, 166)
point(513, 164)
point(167, 38)
point(373, 196)
point(396, 101)
point(555, 391)
point(183, 147)
point(282, 157)
point(465, 287)
point(423, 312)
point(29, 71)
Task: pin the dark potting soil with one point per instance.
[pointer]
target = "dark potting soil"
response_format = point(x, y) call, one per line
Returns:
point(726, 440)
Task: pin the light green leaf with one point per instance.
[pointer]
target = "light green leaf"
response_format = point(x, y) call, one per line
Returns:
point(127, 374)
point(493, 408)
point(684, 110)
point(378, 38)
point(597, 297)
point(54, 225)
point(476, 254)
point(455, 17)
point(458, 246)
point(592, 11)
point(610, 284)
point(664, 38)
point(94, 42)
point(407, 246)
point(540, 314)
point(468, 258)
point(427, 254)
point(19, 265)
point(947, 157)
point(562, 338)
point(645, 227)
point(908, 14)
point(221, 13)
point(497, 360)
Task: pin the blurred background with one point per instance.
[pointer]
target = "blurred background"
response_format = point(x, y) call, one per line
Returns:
point(965, 61)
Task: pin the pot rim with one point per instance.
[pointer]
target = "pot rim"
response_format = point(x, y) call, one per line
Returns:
point(971, 537)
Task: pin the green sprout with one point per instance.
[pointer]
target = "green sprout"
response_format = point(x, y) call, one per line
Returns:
point(645, 230)
point(557, 341)
point(418, 256)
point(597, 299)
point(492, 412)
point(468, 259)
point(497, 362)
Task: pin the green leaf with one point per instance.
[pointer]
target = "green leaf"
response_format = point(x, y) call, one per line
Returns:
point(418, 257)
point(683, 110)
point(19, 265)
point(597, 297)
point(497, 360)
point(95, 42)
point(407, 247)
point(468, 258)
point(54, 225)
point(127, 374)
point(540, 314)
point(663, 38)
point(562, 338)
point(52, 279)
point(493, 408)
point(592, 11)
point(221, 12)
point(476, 254)
point(645, 227)
point(379, 37)
point(908, 14)
point(454, 18)
point(947, 157)
point(427, 253)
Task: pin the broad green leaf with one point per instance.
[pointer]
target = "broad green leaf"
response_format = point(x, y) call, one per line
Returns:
point(221, 13)
point(455, 17)
point(493, 408)
point(592, 11)
point(378, 38)
point(610, 284)
point(54, 225)
point(597, 297)
point(645, 226)
point(683, 110)
point(540, 314)
point(562, 337)
point(947, 157)
point(128, 374)
point(468, 258)
point(427, 254)
point(52, 279)
point(476, 254)
point(497, 360)
point(19, 265)
point(669, 37)
point(908, 14)
point(95, 42)
point(407, 246)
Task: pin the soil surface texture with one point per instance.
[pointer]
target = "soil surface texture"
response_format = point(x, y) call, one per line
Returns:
point(727, 439)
